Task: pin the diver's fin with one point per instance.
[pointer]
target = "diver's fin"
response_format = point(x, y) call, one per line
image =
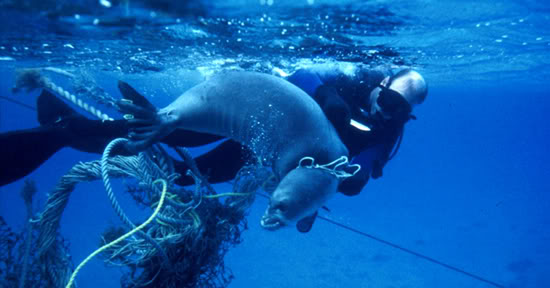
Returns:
point(305, 224)
point(25, 150)
point(52, 109)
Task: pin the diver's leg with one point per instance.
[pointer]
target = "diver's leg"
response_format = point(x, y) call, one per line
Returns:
point(218, 165)
point(186, 138)
point(25, 150)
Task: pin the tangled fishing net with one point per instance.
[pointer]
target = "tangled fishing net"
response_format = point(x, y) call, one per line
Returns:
point(183, 246)
point(20, 263)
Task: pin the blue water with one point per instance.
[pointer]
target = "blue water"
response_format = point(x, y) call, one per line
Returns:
point(468, 187)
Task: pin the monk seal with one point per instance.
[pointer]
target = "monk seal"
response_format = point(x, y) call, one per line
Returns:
point(274, 118)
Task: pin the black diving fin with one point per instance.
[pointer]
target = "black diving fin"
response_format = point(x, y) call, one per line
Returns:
point(25, 150)
point(52, 110)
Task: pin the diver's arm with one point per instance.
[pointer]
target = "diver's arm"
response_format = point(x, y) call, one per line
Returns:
point(306, 80)
point(353, 185)
point(334, 107)
point(388, 147)
point(382, 139)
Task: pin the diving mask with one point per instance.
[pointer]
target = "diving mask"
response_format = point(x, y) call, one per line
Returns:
point(394, 104)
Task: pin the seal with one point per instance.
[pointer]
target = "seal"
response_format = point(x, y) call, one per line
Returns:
point(279, 122)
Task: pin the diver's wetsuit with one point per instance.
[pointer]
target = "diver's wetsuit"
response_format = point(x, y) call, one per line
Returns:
point(334, 91)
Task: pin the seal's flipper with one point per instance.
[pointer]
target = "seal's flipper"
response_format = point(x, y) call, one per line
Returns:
point(306, 223)
point(146, 126)
point(143, 112)
point(131, 94)
point(136, 104)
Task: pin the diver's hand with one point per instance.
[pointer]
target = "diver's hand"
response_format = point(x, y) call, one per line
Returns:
point(353, 185)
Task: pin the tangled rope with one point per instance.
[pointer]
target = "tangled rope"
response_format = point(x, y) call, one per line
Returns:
point(335, 167)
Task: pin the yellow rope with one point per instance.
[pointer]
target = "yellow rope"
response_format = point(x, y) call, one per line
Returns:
point(169, 196)
point(106, 246)
point(224, 195)
point(196, 218)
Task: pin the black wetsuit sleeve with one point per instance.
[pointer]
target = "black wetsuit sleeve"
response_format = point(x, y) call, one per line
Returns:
point(353, 185)
point(326, 96)
point(218, 165)
point(387, 148)
point(334, 107)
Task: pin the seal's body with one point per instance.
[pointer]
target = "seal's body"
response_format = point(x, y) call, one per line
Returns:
point(277, 120)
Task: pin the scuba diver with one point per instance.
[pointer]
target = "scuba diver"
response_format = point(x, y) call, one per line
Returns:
point(368, 108)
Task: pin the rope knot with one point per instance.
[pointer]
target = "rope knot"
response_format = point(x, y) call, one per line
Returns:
point(335, 167)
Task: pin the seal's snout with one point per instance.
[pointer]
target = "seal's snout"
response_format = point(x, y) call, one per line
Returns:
point(272, 219)
point(271, 223)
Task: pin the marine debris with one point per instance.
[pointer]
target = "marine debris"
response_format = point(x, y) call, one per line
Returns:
point(183, 246)
point(20, 263)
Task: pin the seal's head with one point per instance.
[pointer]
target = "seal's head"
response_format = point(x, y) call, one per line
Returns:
point(299, 194)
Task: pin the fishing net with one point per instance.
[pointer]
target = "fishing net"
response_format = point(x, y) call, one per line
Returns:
point(20, 263)
point(185, 244)
point(183, 247)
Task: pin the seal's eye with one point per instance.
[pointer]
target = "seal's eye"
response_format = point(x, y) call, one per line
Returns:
point(281, 206)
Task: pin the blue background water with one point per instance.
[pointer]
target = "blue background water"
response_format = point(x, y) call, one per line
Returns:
point(468, 187)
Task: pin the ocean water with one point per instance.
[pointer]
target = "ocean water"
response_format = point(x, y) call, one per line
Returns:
point(468, 188)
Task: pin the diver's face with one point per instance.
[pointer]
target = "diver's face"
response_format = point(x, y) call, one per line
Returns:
point(396, 94)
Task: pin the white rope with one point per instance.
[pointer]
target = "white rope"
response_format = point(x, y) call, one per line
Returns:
point(335, 167)
point(78, 102)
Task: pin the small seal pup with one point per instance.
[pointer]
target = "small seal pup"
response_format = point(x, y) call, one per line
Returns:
point(275, 119)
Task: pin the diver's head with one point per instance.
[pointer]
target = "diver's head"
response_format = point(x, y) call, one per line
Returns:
point(395, 96)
